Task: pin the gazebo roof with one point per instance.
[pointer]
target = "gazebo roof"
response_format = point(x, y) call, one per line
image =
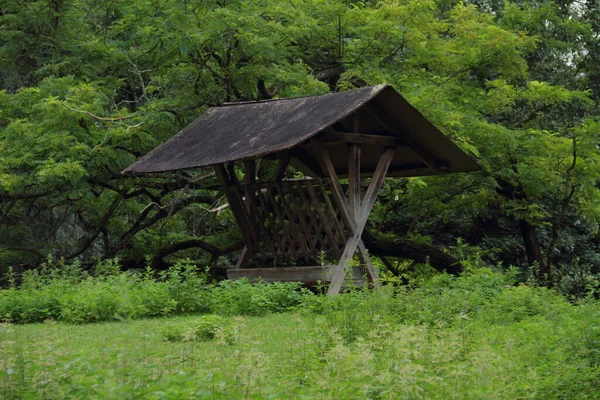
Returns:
point(252, 130)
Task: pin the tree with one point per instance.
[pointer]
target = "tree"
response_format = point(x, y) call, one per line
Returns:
point(89, 86)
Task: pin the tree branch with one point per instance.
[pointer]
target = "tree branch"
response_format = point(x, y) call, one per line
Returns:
point(215, 251)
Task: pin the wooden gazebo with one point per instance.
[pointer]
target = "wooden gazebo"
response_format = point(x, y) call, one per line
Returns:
point(290, 226)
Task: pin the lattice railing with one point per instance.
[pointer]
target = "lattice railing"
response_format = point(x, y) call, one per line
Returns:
point(293, 222)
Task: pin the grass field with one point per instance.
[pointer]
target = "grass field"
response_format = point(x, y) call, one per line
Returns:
point(471, 337)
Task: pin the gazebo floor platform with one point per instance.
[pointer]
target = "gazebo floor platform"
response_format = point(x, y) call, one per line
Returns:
point(307, 275)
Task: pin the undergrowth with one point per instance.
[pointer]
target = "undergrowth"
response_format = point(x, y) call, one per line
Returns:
point(70, 294)
point(478, 335)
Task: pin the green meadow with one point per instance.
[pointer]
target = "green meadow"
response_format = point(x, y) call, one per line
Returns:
point(478, 336)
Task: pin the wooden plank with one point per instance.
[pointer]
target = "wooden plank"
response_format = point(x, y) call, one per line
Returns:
point(249, 171)
point(360, 138)
point(389, 123)
point(366, 207)
point(354, 181)
point(354, 203)
point(307, 275)
point(249, 218)
point(338, 193)
point(244, 211)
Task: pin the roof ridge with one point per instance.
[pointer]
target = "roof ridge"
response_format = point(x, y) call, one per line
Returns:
point(242, 103)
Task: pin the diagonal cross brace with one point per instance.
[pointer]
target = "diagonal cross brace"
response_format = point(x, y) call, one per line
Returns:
point(347, 214)
point(356, 225)
point(354, 204)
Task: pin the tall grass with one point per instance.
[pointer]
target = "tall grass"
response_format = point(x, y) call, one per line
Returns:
point(480, 335)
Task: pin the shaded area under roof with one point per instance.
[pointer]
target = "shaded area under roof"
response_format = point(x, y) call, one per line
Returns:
point(256, 129)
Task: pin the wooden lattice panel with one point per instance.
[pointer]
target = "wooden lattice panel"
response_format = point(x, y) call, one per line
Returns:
point(293, 223)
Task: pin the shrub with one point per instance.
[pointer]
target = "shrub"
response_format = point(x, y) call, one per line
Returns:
point(188, 287)
point(240, 297)
point(66, 292)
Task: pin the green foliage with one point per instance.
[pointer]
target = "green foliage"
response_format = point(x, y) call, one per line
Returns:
point(478, 335)
point(206, 327)
point(86, 87)
point(239, 297)
point(68, 293)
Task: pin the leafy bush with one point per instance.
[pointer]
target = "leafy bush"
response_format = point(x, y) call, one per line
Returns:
point(70, 294)
point(188, 288)
point(240, 297)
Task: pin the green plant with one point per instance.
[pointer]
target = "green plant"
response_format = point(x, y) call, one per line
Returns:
point(68, 293)
point(203, 328)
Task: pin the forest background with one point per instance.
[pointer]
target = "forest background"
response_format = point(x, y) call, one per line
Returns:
point(88, 86)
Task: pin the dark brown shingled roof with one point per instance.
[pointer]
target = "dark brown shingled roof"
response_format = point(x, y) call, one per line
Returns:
point(255, 129)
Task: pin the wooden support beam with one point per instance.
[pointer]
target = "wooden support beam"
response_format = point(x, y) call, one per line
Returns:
point(338, 195)
point(249, 179)
point(237, 206)
point(388, 123)
point(250, 171)
point(367, 205)
point(360, 138)
point(354, 202)
point(354, 181)
point(357, 227)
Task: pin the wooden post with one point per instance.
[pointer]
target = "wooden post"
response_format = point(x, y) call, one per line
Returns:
point(366, 207)
point(238, 209)
point(338, 195)
point(354, 181)
point(354, 200)
point(355, 240)
point(249, 180)
point(283, 160)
